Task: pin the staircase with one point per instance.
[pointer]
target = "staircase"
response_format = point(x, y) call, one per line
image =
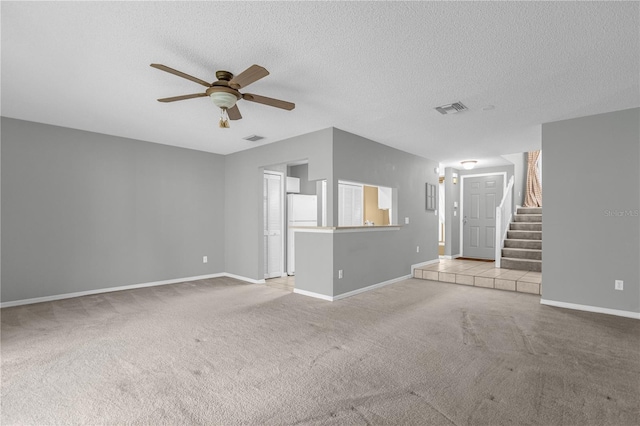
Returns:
point(523, 245)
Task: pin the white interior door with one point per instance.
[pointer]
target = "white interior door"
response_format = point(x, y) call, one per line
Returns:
point(482, 194)
point(273, 224)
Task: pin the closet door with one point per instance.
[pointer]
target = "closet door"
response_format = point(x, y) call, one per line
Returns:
point(272, 185)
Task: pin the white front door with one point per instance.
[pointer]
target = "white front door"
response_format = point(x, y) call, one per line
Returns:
point(273, 223)
point(482, 194)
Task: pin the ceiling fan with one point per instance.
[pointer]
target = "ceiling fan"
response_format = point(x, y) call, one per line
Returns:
point(224, 92)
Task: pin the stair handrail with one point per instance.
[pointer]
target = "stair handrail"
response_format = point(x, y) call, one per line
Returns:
point(503, 211)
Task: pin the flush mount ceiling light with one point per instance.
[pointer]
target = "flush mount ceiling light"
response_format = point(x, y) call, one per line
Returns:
point(468, 164)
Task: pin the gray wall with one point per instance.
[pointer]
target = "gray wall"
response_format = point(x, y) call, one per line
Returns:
point(301, 171)
point(332, 154)
point(243, 194)
point(361, 160)
point(591, 171)
point(314, 265)
point(368, 258)
point(84, 211)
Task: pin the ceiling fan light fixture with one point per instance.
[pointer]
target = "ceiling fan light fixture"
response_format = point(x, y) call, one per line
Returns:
point(468, 164)
point(223, 99)
point(224, 92)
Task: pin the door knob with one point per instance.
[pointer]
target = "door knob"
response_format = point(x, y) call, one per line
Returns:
point(464, 220)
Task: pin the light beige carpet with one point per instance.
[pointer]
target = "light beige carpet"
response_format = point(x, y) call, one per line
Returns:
point(222, 352)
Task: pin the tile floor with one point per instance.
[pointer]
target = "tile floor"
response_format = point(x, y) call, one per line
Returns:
point(467, 272)
point(481, 274)
point(283, 283)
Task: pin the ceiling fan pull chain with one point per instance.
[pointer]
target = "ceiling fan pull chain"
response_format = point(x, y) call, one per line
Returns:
point(224, 119)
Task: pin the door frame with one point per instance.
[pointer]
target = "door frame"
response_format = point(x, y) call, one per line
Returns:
point(462, 177)
point(283, 272)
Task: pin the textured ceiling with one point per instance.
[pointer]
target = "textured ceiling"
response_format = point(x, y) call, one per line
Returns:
point(376, 69)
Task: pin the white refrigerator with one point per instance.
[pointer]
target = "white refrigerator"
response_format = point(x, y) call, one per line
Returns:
point(302, 210)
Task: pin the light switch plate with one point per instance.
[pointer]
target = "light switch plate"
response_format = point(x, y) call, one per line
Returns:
point(619, 285)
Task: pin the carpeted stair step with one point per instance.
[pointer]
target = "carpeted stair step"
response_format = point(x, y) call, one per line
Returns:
point(521, 264)
point(524, 235)
point(525, 226)
point(523, 244)
point(529, 210)
point(528, 218)
point(519, 253)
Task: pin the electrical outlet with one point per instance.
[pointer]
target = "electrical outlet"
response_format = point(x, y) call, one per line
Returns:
point(455, 213)
point(205, 259)
point(339, 274)
point(417, 249)
point(619, 285)
point(406, 220)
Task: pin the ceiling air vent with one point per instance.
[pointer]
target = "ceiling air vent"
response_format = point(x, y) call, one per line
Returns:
point(253, 138)
point(451, 108)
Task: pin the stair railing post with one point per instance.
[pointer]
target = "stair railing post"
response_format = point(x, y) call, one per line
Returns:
point(498, 236)
point(503, 217)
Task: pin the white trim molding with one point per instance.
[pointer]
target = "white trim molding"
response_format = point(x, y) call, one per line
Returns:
point(371, 287)
point(241, 278)
point(420, 265)
point(453, 256)
point(587, 308)
point(344, 229)
point(124, 287)
point(350, 293)
point(312, 294)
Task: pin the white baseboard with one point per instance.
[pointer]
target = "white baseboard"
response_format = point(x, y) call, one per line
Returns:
point(371, 287)
point(350, 293)
point(312, 294)
point(419, 265)
point(241, 278)
point(124, 287)
point(587, 308)
point(453, 256)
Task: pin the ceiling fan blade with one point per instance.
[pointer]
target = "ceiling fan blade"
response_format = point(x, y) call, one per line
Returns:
point(183, 97)
point(269, 101)
point(248, 76)
point(234, 113)
point(181, 74)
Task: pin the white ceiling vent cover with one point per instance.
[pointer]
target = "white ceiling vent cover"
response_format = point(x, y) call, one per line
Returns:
point(253, 138)
point(451, 108)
